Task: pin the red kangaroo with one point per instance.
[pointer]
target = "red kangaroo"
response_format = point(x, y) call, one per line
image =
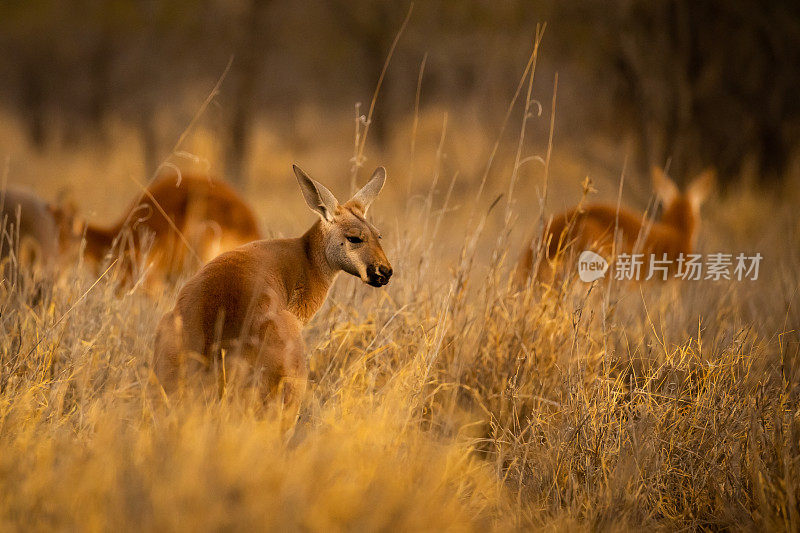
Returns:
point(28, 229)
point(252, 302)
point(210, 216)
point(593, 228)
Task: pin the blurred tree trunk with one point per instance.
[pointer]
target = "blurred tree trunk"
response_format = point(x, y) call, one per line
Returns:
point(148, 136)
point(372, 25)
point(375, 53)
point(246, 71)
point(100, 63)
point(33, 102)
point(776, 105)
point(146, 87)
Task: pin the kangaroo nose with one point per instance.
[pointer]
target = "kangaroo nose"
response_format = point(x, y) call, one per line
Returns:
point(378, 276)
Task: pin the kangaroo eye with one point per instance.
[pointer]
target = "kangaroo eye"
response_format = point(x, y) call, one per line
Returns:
point(354, 240)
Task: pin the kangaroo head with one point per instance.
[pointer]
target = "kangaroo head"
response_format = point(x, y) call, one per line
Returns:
point(682, 209)
point(350, 242)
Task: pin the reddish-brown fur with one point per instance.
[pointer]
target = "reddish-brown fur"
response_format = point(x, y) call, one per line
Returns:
point(28, 228)
point(593, 228)
point(252, 302)
point(228, 306)
point(208, 213)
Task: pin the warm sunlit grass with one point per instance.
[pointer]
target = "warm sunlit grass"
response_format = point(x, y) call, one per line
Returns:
point(446, 400)
point(443, 401)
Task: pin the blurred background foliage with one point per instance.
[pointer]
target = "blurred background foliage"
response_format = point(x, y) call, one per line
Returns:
point(684, 82)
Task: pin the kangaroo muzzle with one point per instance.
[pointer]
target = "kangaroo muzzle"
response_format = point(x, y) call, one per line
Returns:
point(378, 275)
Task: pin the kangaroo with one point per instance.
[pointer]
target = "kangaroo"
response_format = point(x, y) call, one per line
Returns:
point(593, 227)
point(208, 213)
point(28, 229)
point(254, 301)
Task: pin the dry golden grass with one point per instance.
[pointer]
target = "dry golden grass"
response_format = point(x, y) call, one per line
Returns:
point(446, 400)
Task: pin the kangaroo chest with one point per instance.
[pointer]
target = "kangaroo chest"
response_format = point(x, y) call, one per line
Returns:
point(304, 302)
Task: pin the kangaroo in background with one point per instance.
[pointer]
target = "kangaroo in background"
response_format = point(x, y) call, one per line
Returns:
point(593, 227)
point(208, 213)
point(29, 230)
point(253, 302)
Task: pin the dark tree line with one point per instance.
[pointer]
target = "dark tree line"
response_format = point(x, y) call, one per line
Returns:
point(711, 82)
point(698, 82)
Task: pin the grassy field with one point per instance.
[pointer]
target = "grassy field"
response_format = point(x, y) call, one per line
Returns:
point(446, 400)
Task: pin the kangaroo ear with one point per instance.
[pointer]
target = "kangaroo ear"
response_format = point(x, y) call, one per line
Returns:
point(665, 188)
point(701, 187)
point(369, 192)
point(65, 214)
point(317, 196)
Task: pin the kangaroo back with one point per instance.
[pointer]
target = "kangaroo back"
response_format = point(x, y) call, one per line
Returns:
point(25, 215)
point(608, 231)
point(185, 222)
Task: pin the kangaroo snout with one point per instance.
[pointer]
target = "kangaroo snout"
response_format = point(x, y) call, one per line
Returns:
point(378, 275)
